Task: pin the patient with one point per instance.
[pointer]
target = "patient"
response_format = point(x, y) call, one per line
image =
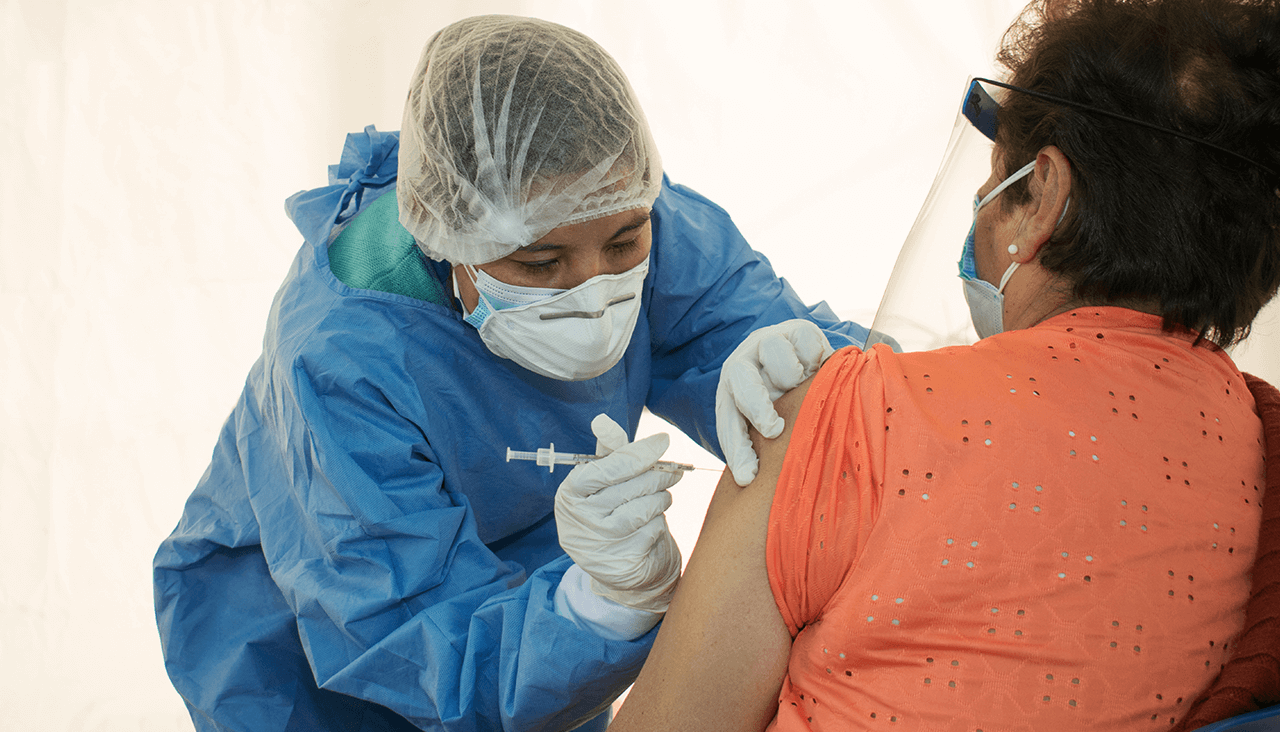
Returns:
point(1053, 528)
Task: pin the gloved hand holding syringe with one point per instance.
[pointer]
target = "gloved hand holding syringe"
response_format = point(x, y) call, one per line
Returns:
point(548, 457)
point(610, 515)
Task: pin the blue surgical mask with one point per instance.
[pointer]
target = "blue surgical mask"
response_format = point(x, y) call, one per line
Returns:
point(495, 295)
point(986, 301)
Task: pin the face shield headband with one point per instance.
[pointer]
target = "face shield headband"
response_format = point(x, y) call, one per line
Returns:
point(981, 109)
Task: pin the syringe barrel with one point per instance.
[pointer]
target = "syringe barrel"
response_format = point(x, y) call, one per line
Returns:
point(549, 458)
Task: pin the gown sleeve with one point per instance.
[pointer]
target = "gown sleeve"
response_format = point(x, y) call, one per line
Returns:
point(397, 599)
point(710, 290)
point(330, 559)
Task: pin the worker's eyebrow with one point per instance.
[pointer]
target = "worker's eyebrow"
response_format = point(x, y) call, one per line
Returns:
point(640, 220)
point(539, 248)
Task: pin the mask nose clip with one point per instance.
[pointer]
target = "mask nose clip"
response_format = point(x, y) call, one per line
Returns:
point(589, 315)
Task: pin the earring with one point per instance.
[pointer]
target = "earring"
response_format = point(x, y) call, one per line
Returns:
point(1013, 248)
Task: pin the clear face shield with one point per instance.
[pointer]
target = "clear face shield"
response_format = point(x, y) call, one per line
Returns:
point(924, 306)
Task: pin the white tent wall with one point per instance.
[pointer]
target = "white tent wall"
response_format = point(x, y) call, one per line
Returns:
point(152, 143)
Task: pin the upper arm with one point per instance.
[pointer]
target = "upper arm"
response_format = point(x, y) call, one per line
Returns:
point(721, 655)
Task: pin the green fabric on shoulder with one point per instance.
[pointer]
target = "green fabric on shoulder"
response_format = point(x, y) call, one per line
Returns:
point(374, 252)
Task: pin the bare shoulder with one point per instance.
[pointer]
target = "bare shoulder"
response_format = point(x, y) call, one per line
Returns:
point(772, 452)
point(722, 652)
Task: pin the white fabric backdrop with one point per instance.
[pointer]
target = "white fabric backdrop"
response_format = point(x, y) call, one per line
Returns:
point(150, 144)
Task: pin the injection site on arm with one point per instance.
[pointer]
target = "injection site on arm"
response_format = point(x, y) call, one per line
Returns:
point(721, 655)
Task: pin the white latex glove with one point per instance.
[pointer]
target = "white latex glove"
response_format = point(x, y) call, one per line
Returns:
point(610, 516)
point(769, 363)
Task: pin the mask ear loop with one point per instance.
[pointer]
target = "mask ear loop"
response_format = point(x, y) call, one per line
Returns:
point(1005, 279)
point(1013, 248)
point(1022, 173)
point(471, 270)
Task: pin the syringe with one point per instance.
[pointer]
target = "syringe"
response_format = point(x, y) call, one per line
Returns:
point(549, 457)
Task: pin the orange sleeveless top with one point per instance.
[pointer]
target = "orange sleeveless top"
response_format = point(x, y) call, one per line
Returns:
point(1050, 529)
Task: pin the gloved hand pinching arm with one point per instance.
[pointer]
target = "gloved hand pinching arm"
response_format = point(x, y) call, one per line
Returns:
point(767, 364)
point(609, 514)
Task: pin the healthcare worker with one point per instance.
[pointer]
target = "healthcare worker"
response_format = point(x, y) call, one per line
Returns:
point(511, 269)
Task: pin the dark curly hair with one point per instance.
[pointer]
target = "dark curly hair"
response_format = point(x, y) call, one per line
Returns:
point(1156, 218)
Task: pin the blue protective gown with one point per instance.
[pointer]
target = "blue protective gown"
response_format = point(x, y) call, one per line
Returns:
point(360, 556)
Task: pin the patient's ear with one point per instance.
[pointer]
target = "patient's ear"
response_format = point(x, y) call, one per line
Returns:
point(1050, 188)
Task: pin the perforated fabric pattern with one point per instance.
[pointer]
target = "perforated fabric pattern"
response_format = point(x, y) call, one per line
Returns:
point(1251, 679)
point(1054, 530)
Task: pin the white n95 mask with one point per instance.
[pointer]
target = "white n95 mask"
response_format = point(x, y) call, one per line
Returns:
point(569, 335)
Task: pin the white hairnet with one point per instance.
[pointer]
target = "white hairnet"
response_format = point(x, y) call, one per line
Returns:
point(515, 126)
